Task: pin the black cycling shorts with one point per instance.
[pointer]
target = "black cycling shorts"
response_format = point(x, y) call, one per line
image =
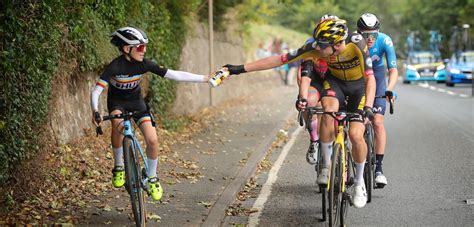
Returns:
point(129, 105)
point(349, 93)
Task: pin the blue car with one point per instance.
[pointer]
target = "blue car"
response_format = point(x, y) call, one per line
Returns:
point(460, 68)
point(424, 66)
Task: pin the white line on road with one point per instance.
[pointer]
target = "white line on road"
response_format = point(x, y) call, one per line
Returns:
point(451, 93)
point(433, 88)
point(272, 177)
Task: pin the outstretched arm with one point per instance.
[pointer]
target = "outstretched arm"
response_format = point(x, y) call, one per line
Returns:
point(264, 63)
point(306, 50)
point(185, 76)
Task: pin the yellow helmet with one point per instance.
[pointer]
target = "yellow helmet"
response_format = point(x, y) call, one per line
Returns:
point(330, 31)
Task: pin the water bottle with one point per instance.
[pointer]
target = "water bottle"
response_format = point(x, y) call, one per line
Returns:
point(218, 77)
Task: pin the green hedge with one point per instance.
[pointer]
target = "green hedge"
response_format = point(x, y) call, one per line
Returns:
point(36, 36)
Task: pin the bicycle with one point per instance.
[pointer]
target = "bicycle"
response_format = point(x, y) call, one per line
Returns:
point(135, 180)
point(369, 169)
point(341, 175)
point(306, 120)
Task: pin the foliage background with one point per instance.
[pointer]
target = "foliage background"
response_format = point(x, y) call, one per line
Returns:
point(38, 36)
point(396, 16)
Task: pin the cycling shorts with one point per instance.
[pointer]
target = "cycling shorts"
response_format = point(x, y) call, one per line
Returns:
point(130, 105)
point(317, 83)
point(380, 104)
point(350, 94)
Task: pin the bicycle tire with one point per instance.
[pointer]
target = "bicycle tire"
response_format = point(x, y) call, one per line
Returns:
point(369, 164)
point(133, 181)
point(345, 203)
point(335, 192)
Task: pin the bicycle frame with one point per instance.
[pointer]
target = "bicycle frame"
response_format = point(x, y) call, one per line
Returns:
point(340, 140)
point(129, 132)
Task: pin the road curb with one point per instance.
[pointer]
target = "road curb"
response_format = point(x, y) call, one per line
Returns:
point(217, 212)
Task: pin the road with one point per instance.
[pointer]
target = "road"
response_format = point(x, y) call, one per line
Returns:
point(428, 163)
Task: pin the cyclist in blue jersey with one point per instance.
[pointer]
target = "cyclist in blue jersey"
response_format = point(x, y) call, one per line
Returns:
point(379, 45)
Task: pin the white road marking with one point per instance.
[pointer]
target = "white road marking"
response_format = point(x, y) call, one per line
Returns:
point(433, 88)
point(272, 177)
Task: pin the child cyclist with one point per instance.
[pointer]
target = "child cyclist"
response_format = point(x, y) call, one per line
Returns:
point(122, 78)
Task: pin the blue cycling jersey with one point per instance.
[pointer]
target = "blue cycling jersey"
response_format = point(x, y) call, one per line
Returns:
point(383, 45)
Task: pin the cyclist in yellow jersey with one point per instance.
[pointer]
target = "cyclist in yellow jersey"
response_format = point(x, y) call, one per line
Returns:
point(350, 75)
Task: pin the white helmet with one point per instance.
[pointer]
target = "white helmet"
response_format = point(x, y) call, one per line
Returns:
point(368, 21)
point(128, 36)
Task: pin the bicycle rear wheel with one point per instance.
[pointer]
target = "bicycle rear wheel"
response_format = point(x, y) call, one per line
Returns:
point(335, 192)
point(322, 188)
point(133, 182)
point(369, 164)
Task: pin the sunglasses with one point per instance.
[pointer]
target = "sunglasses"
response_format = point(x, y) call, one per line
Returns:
point(140, 47)
point(370, 34)
point(323, 45)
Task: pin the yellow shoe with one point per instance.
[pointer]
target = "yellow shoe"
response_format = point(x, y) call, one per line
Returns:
point(155, 189)
point(118, 179)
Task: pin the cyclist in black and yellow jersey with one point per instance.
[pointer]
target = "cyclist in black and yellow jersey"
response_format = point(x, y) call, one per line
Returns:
point(350, 75)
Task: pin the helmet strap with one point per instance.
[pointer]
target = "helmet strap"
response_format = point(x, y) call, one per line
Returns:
point(333, 50)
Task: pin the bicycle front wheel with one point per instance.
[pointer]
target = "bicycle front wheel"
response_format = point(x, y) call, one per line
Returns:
point(370, 162)
point(335, 189)
point(349, 182)
point(133, 181)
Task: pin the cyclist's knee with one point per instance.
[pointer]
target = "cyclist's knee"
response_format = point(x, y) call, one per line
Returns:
point(152, 142)
point(356, 133)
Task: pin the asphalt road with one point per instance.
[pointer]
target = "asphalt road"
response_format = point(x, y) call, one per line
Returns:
point(429, 163)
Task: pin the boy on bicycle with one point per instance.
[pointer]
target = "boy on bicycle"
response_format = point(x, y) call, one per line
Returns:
point(122, 78)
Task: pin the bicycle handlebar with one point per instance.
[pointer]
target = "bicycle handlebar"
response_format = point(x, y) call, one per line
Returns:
point(390, 101)
point(312, 110)
point(127, 115)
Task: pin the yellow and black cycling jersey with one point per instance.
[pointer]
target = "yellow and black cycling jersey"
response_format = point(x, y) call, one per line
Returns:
point(352, 64)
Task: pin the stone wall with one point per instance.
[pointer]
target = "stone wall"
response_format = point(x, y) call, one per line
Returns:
point(71, 114)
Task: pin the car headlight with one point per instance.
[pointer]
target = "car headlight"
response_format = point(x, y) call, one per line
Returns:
point(411, 67)
point(440, 67)
point(455, 71)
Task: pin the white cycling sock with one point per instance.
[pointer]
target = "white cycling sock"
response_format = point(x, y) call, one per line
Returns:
point(152, 165)
point(326, 148)
point(359, 177)
point(118, 156)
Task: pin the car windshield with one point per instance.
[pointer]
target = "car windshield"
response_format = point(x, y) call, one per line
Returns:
point(464, 57)
point(422, 58)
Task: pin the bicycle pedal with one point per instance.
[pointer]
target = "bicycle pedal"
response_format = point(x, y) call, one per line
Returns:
point(379, 186)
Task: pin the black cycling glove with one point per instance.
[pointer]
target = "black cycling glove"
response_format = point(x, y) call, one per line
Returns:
point(300, 102)
point(235, 69)
point(368, 113)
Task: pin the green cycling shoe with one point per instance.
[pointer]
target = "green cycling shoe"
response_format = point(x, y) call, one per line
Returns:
point(155, 189)
point(118, 179)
